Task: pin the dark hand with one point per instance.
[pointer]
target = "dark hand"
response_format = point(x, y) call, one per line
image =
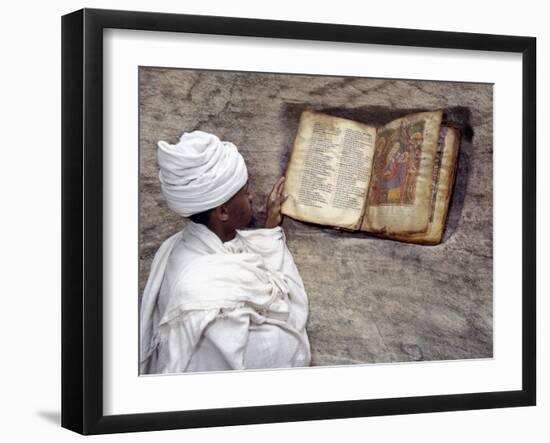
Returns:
point(273, 216)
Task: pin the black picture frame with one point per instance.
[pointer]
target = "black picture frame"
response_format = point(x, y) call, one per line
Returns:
point(82, 219)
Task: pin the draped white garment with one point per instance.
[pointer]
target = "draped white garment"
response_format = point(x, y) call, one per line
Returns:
point(210, 305)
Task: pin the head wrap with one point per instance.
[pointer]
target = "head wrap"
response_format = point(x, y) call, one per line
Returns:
point(200, 172)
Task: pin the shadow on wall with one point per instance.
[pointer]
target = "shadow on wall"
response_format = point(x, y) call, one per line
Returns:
point(54, 417)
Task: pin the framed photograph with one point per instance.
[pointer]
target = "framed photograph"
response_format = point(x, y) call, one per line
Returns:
point(269, 221)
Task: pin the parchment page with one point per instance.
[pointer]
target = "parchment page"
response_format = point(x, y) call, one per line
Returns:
point(399, 199)
point(329, 170)
point(444, 176)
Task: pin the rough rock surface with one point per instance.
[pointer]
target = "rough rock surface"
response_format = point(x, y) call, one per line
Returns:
point(371, 300)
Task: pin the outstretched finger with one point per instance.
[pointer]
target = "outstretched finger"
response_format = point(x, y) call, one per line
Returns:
point(278, 188)
point(274, 189)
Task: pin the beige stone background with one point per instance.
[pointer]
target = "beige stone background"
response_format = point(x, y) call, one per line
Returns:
point(371, 300)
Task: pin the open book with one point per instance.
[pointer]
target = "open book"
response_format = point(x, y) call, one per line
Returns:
point(394, 181)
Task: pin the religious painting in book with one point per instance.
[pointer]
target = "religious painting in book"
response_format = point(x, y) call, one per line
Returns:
point(376, 247)
point(396, 165)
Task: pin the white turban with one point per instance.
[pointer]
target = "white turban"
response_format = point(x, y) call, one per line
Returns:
point(200, 172)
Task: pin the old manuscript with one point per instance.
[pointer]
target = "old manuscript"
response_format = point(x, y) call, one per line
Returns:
point(393, 181)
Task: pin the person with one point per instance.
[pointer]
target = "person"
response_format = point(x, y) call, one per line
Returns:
point(220, 296)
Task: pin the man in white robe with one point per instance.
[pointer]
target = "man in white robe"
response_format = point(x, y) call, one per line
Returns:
point(220, 297)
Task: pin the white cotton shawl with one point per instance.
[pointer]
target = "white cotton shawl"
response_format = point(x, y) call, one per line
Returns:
point(198, 284)
point(200, 172)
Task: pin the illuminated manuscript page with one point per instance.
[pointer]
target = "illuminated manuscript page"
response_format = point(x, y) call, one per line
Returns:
point(444, 177)
point(399, 199)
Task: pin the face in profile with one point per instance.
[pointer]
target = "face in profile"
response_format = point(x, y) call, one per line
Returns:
point(240, 209)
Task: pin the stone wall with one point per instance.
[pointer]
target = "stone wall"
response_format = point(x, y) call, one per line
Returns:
point(371, 300)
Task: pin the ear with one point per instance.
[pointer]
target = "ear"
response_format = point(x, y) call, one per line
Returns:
point(222, 213)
